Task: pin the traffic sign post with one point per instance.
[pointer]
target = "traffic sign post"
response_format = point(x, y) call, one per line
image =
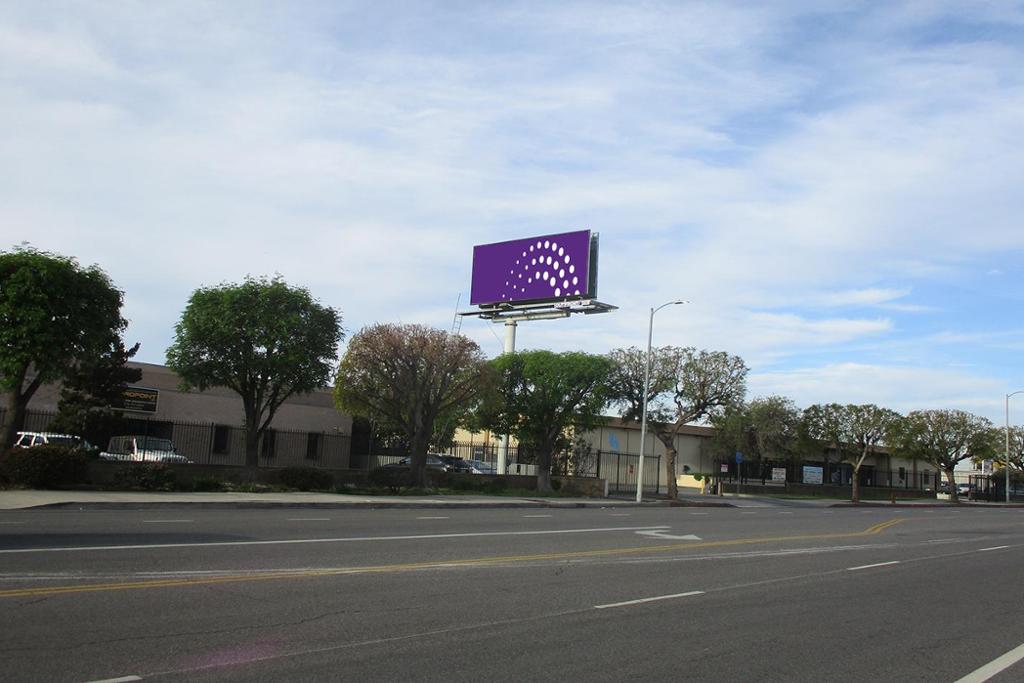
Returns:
point(739, 472)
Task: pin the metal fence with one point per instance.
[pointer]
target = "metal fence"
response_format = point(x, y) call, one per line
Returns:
point(841, 474)
point(216, 444)
point(619, 469)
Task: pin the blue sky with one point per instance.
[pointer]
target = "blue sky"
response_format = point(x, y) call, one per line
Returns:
point(835, 186)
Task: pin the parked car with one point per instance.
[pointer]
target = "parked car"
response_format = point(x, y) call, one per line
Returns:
point(30, 439)
point(433, 463)
point(142, 449)
point(482, 467)
point(457, 464)
point(965, 489)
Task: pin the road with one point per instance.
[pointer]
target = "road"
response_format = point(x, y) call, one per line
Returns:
point(789, 593)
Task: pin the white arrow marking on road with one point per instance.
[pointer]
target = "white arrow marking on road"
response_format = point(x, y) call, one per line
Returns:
point(654, 533)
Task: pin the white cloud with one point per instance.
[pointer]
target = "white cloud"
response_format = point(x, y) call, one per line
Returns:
point(728, 154)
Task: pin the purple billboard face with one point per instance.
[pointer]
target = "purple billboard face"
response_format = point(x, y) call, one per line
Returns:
point(551, 267)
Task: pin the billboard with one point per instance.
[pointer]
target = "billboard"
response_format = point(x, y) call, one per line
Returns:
point(546, 268)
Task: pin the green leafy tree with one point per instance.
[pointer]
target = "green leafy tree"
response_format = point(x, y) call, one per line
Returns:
point(262, 339)
point(864, 428)
point(545, 396)
point(411, 378)
point(944, 438)
point(823, 423)
point(686, 386)
point(764, 429)
point(89, 398)
point(55, 316)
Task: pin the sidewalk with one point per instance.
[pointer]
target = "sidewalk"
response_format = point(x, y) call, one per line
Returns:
point(29, 499)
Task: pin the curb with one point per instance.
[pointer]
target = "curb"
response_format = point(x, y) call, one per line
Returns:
point(266, 505)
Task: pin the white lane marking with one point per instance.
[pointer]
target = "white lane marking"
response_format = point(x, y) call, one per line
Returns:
point(942, 540)
point(995, 547)
point(619, 514)
point(655, 533)
point(535, 516)
point(700, 513)
point(292, 541)
point(654, 599)
point(748, 513)
point(309, 519)
point(433, 518)
point(10, 523)
point(785, 513)
point(872, 566)
point(996, 666)
point(167, 521)
point(122, 679)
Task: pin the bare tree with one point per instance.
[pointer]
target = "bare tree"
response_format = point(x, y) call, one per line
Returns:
point(686, 385)
point(411, 377)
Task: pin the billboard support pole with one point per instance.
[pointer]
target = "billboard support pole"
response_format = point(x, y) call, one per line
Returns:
point(510, 347)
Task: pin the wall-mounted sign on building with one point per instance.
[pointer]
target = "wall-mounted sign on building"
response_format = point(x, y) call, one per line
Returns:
point(812, 475)
point(139, 399)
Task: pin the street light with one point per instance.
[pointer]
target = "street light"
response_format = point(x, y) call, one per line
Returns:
point(647, 383)
point(1008, 442)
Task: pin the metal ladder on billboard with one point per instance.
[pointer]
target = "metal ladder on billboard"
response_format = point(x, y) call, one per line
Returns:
point(549, 277)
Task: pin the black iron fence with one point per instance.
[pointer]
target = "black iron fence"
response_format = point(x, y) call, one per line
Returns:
point(619, 469)
point(217, 444)
point(767, 473)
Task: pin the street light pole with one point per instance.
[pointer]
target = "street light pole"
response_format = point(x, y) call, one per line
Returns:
point(1008, 442)
point(647, 384)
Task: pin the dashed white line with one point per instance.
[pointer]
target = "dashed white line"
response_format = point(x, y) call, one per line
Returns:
point(748, 513)
point(995, 547)
point(432, 518)
point(996, 666)
point(536, 516)
point(122, 679)
point(654, 599)
point(619, 514)
point(309, 519)
point(785, 513)
point(872, 566)
point(700, 513)
point(167, 521)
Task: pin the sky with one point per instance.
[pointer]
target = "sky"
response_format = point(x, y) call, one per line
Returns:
point(836, 187)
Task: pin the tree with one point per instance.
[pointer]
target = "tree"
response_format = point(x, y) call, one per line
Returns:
point(763, 429)
point(823, 423)
point(263, 339)
point(55, 315)
point(91, 394)
point(864, 428)
point(411, 377)
point(685, 386)
point(943, 438)
point(545, 396)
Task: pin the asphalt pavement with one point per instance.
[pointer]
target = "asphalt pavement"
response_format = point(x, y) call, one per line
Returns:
point(760, 592)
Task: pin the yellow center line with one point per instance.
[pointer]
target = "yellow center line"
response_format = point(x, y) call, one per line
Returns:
point(436, 564)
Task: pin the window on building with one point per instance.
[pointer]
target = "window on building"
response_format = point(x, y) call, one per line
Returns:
point(312, 446)
point(221, 439)
point(269, 444)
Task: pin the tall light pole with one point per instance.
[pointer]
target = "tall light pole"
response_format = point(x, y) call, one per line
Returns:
point(1008, 442)
point(647, 384)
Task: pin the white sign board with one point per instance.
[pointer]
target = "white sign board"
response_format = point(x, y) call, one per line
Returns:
point(779, 474)
point(812, 475)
